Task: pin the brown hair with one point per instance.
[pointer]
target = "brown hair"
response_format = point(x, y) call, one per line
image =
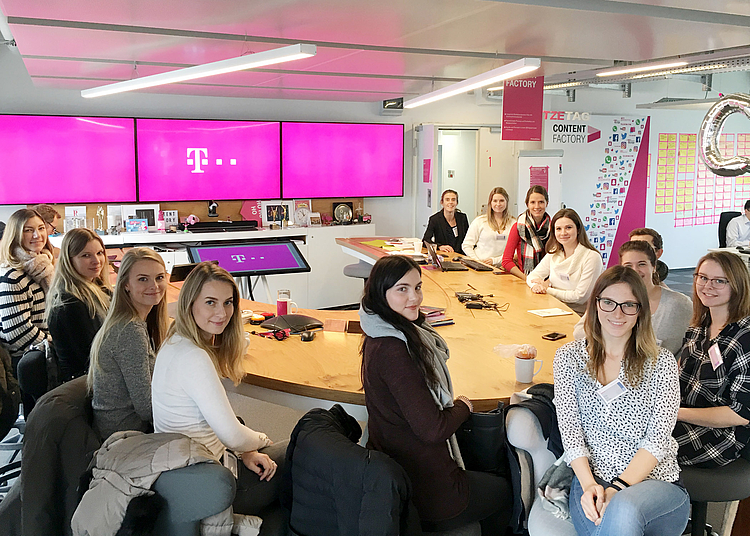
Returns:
point(47, 212)
point(641, 246)
point(553, 245)
point(641, 347)
point(645, 231)
point(506, 219)
point(449, 191)
point(537, 189)
point(738, 277)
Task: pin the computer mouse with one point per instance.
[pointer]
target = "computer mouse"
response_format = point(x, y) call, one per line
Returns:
point(307, 336)
point(456, 259)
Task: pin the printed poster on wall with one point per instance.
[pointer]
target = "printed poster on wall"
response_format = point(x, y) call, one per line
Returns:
point(539, 176)
point(605, 163)
point(522, 109)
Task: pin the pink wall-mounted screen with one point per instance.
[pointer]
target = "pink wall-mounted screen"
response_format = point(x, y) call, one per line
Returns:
point(181, 160)
point(49, 159)
point(342, 160)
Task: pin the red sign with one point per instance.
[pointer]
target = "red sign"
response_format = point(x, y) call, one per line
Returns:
point(539, 175)
point(426, 177)
point(522, 109)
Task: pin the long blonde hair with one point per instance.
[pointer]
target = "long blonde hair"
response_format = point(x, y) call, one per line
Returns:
point(122, 310)
point(506, 218)
point(13, 238)
point(642, 347)
point(228, 347)
point(67, 280)
point(737, 275)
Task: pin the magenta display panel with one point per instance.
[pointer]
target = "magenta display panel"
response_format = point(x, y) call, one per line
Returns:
point(185, 160)
point(342, 160)
point(50, 159)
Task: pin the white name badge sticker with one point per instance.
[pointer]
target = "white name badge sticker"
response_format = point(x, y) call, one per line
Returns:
point(563, 277)
point(611, 391)
point(500, 237)
point(715, 356)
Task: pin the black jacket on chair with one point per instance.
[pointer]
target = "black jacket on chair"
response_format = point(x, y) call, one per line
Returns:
point(334, 487)
point(440, 232)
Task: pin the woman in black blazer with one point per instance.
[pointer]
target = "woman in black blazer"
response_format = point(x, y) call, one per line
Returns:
point(448, 227)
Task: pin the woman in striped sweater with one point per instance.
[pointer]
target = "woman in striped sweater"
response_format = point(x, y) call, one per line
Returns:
point(26, 269)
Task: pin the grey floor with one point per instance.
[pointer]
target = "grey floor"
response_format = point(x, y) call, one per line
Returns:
point(681, 280)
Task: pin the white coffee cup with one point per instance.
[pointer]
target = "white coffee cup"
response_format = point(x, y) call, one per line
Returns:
point(525, 369)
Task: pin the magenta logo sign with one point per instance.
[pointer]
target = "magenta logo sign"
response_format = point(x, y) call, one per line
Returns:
point(199, 160)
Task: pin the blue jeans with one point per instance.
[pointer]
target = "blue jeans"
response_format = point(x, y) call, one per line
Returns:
point(649, 508)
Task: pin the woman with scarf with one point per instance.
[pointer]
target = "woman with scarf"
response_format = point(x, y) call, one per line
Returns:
point(529, 235)
point(413, 415)
point(26, 270)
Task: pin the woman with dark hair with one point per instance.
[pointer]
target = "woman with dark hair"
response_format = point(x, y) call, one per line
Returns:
point(413, 415)
point(448, 227)
point(670, 310)
point(714, 414)
point(617, 395)
point(570, 268)
point(529, 235)
point(78, 300)
point(488, 233)
point(124, 349)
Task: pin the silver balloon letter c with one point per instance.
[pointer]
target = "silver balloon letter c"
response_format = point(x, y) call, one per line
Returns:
point(708, 136)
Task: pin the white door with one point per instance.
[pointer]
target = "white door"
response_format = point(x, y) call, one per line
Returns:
point(427, 164)
point(541, 167)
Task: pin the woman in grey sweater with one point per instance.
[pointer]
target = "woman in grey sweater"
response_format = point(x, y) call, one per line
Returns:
point(124, 349)
point(670, 310)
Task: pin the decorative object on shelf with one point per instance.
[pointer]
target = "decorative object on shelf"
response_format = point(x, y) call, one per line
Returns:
point(141, 212)
point(100, 219)
point(343, 212)
point(315, 219)
point(710, 131)
point(171, 219)
point(326, 218)
point(252, 211)
point(276, 212)
point(302, 211)
point(212, 206)
point(192, 219)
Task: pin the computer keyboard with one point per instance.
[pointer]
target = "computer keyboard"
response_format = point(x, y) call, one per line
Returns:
point(476, 265)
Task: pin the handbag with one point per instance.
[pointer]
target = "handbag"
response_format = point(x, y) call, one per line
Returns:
point(481, 439)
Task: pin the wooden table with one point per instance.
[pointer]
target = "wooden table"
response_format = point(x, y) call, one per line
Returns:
point(309, 374)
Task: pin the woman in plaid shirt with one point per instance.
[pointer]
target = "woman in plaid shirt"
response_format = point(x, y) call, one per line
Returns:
point(714, 413)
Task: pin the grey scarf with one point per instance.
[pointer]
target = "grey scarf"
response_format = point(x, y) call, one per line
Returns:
point(375, 327)
point(38, 266)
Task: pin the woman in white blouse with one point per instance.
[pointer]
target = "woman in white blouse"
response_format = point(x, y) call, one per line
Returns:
point(617, 396)
point(572, 264)
point(205, 343)
point(487, 235)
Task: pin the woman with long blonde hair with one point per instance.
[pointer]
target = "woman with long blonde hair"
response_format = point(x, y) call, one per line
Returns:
point(78, 300)
point(488, 233)
point(124, 350)
point(206, 343)
point(617, 396)
point(26, 270)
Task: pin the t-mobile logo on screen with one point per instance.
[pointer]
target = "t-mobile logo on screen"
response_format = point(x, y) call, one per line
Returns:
point(238, 258)
point(200, 158)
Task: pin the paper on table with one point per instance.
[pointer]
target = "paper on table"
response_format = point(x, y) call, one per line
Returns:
point(555, 311)
point(375, 243)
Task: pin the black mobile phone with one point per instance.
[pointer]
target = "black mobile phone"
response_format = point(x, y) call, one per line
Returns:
point(554, 336)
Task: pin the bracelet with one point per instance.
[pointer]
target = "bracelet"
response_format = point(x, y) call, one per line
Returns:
point(466, 401)
point(619, 480)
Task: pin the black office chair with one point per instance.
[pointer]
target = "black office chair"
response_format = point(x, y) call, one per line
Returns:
point(722, 484)
point(724, 220)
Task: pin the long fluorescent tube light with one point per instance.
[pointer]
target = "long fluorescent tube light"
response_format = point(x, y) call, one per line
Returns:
point(5, 32)
point(260, 59)
point(516, 68)
point(643, 68)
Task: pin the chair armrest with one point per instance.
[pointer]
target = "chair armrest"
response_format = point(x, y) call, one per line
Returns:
point(524, 432)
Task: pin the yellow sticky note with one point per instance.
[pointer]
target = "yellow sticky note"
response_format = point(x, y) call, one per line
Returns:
point(682, 169)
point(670, 185)
point(661, 169)
point(672, 137)
point(680, 207)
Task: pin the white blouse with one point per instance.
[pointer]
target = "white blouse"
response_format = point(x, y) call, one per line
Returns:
point(482, 242)
point(571, 279)
point(609, 434)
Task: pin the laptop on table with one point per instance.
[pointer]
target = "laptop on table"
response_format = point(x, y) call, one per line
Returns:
point(445, 266)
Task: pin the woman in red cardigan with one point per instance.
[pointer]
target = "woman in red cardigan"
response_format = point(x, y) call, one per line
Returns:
point(529, 235)
point(413, 414)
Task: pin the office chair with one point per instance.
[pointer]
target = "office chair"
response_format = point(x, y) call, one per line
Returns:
point(360, 269)
point(724, 220)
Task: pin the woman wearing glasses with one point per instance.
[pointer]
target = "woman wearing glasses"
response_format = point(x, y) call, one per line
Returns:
point(712, 425)
point(617, 396)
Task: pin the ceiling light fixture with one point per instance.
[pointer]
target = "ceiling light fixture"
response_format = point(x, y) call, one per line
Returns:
point(642, 68)
point(516, 68)
point(241, 63)
point(5, 32)
point(684, 70)
point(563, 85)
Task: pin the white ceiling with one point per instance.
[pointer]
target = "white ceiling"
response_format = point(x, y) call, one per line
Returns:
point(367, 50)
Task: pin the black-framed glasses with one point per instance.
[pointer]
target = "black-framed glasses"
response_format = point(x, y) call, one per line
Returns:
point(608, 306)
point(716, 282)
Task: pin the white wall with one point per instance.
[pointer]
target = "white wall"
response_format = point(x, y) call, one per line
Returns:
point(460, 157)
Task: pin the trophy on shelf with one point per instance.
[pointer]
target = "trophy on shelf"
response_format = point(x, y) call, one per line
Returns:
point(100, 220)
